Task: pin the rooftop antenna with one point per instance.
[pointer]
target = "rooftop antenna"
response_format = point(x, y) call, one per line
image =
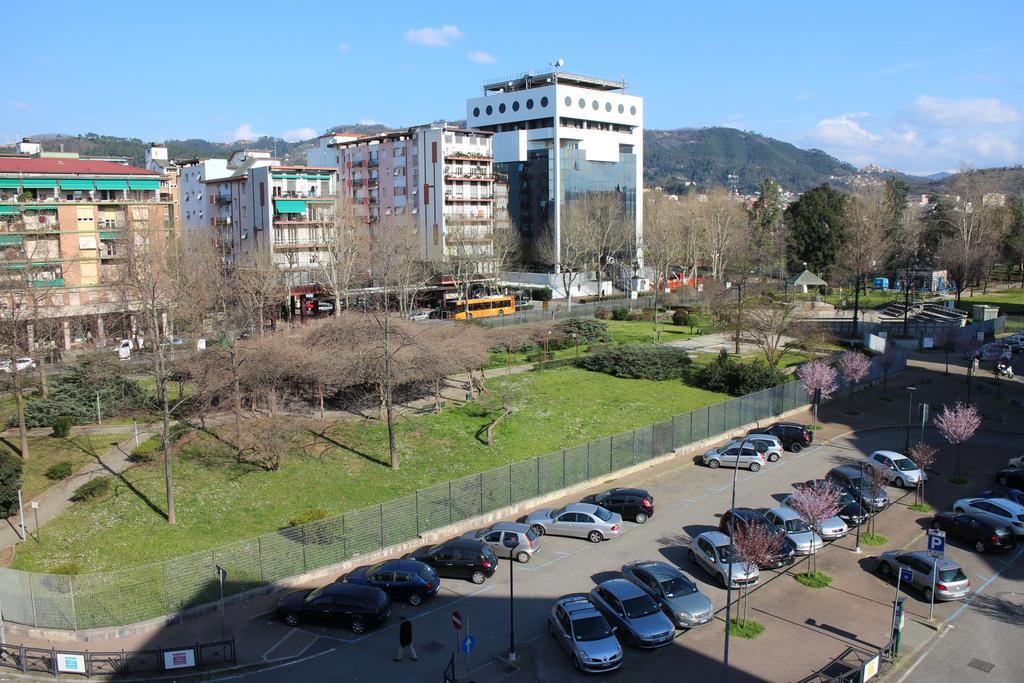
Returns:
point(558, 64)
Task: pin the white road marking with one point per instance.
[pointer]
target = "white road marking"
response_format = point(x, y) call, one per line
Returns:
point(924, 654)
point(285, 637)
point(276, 666)
point(563, 555)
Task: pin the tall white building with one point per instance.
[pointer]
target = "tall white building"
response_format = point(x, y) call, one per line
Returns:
point(557, 137)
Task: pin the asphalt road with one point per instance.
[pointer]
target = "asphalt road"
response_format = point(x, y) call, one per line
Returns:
point(688, 499)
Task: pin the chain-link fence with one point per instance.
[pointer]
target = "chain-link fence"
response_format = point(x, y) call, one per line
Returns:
point(127, 596)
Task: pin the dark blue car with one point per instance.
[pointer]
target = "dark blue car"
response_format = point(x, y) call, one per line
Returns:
point(408, 580)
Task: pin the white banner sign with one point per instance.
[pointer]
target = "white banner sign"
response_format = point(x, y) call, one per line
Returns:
point(179, 659)
point(69, 663)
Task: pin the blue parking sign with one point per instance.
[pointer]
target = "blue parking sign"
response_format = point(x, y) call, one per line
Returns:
point(906, 574)
point(936, 542)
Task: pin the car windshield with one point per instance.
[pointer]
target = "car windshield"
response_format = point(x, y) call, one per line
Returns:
point(956, 574)
point(314, 594)
point(727, 553)
point(678, 586)
point(904, 464)
point(531, 534)
point(796, 526)
point(1001, 531)
point(434, 549)
point(555, 513)
point(370, 571)
point(426, 572)
point(845, 498)
point(590, 628)
point(640, 606)
point(603, 514)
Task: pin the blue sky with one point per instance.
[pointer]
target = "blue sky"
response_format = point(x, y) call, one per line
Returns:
point(917, 86)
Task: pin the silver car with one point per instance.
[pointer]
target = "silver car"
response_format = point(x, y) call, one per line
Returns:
point(902, 470)
point(713, 551)
point(734, 455)
point(678, 596)
point(1000, 510)
point(527, 543)
point(584, 633)
point(582, 520)
point(805, 541)
point(768, 444)
point(638, 619)
point(950, 581)
point(829, 529)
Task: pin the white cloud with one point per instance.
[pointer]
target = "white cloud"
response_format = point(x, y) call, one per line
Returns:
point(844, 130)
point(480, 57)
point(967, 112)
point(433, 37)
point(243, 132)
point(995, 147)
point(298, 134)
point(344, 48)
point(21, 106)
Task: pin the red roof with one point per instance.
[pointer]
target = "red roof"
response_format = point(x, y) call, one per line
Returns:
point(74, 166)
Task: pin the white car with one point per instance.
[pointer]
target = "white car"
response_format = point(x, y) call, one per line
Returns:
point(419, 314)
point(902, 470)
point(22, 364)
point(829, 529)
point(997, 509)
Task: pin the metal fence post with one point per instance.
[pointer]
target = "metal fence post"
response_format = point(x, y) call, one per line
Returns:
point(537, 458)
point(588, 461)
point(449, 501)
point(563, 468)
point(417, 512)
point(303, 527)
point(690, 440)
point(74, 614)
point(259, 554)
point(674, 433)
point(481, 493)
point(510, 484)
point(709, 422)
point(381, 506)
point(32, 597)
point(634, 446)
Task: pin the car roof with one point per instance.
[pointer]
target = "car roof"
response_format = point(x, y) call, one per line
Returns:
point(657, 569)
point(581, 507)
point(577, 605)
point(627, 491)
point(509, 526)
point(402, 564)
point(944, 562)
point(848, 470)
point(621, 588)
point(745, 513)
point(715, 538)
point(468, 543)
point(354, 590)
point(759, 436)
point(785, 513)
point(892, 454)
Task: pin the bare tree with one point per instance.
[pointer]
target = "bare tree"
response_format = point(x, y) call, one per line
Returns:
point(662, 242)
point(776, 330)
point(468, 257)
point(396, 264)
point(946, 339)
point(261, 289)
point(346, 248)
point(864, 217)
point(569, 253)
point(610, 235)
point(722, 221)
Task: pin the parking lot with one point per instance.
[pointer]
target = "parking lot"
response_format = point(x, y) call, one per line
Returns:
point(805, 628)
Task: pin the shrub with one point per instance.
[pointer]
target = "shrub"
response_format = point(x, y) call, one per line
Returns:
point(638, 361)
point(602, 314)
point(679, 317)
point(728, 375)
point(146, 450)
point(73, 393)
point(587, 330)
point(67, 568)
point(61, 470)
point(62, 426)
point(540, 294)
point(308, 516)
point(10, 472)
point(620, 313)
point(93, 489)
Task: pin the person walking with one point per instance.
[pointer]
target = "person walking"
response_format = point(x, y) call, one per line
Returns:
point(405, 640)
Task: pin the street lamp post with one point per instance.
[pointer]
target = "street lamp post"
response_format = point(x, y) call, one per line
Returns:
point(910, 414)
point(728, 584)
point(35, 510)
point(21, 512)
point(510, 541)
point(860, 501)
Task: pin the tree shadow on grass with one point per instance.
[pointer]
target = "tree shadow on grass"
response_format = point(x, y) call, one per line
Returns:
point(349, 449)
point(88, 449)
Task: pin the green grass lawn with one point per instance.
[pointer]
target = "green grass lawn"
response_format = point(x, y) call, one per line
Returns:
point(45, 451)
point(1010, 301)
point(219, 501)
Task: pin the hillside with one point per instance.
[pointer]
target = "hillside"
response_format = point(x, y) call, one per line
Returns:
point(708, 156)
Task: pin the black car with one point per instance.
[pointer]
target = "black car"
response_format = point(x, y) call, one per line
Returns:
point(459, 558)
point(739, 516)
point(793, 435)
point(342, 604)
point(635, 504)
point(859, 485)
point(985, 534)
point(408, 580)
point(850, 511)
point(1011, 477)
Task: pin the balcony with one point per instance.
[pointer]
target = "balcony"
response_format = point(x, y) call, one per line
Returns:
point(459, 174)
point(373, 163)
point(221, 222)
point(458, 217)
point(221, 199)
point(467, 156)
point(458, 197)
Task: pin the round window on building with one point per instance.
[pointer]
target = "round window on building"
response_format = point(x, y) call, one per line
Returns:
point(595, 105)
point(621, 109)
point(543, 101)
point(489, 110)
point(632, 110)
point(568, 101)
point(515, 106)
point(476, 111)
point(607, 106)
point(583, 103)
point(529, 104)
point(501, 108)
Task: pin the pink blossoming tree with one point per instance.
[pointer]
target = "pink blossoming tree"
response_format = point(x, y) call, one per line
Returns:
point(756, 546)
point(818, 375)
point(957, 425)
point(923, 455)
point(816, 503)
point(855, 367)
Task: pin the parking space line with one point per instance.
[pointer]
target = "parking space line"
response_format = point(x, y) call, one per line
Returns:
point(563, 554)
point(283, 638)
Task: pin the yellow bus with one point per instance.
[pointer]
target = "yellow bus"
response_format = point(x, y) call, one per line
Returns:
point(486, 307)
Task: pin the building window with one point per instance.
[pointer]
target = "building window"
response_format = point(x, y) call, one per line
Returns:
point(568, 101)
point(607, 106)
point(632, 110)
point(476, 111)
point(595, 105)
point(621, 109)
point(515, 106)
point(501, 107)
point(544, 101)
point(529, 104)
point(583, 103)
point(489, 110)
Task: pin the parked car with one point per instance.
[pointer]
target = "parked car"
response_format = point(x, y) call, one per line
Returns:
point(677, 595)
point(861, 488)
point(1017, 462)
point(901, 469)
point(580, 520)
point(767, 444)
point(740, 516)
point(1012, 477)
point(829, 529)
point(713, 551)
point(951, 583)
point(21, 364)
point(583, 632)
point(851, 511)
point(998, 509)
point(342, 604)
point(803, 539)
point(984, 533)
point(527, 542)
point(408, 580)
point(635, 504)
point(734, 455)
point(638, 619)
point(794, 436)
point(1011, 494)
point(420, 314)
point(459, 558)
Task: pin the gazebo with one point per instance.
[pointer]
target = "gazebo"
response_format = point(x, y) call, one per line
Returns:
point(804, 280)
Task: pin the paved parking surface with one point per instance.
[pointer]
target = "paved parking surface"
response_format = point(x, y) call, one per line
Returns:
point(805, 628)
